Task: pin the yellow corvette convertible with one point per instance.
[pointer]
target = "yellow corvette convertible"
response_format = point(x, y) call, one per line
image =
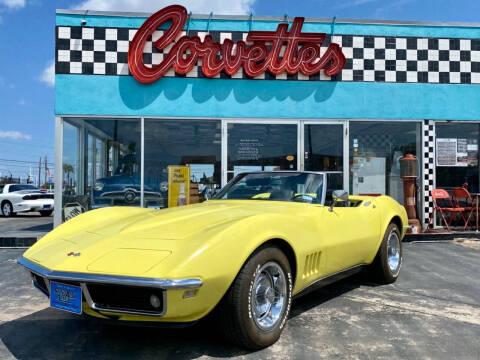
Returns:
point(264, 239)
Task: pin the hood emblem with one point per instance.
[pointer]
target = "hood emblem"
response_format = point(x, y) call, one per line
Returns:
point(71, 253)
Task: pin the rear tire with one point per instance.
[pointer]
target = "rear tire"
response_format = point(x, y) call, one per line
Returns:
point(255, 309)
point(46, 212)
point(386, 266)
point(7, 209)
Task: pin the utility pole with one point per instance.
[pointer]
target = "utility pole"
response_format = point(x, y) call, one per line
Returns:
point(39, 171)
point(46, 168)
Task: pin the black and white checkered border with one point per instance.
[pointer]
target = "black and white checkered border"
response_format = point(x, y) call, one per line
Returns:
point(375, 141)
point(428, 183)
point(103, 51)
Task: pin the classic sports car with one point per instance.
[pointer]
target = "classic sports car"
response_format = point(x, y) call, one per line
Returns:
point(265, 238)
point(24, 198)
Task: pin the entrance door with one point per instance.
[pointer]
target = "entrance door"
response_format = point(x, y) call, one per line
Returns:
point(324, 150)
point(260, 147)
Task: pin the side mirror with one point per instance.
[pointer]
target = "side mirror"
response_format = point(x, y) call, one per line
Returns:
point(211, 194)
point(338, 195)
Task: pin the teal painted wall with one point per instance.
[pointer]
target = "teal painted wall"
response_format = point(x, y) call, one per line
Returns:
point(243, 25)
point(123, 95)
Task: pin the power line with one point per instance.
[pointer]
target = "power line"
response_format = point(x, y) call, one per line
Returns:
point(24, 161)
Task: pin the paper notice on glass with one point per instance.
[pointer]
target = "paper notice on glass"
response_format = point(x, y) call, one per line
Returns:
point(472, 147)
point(446, 152)
point(462, 155)
point(457, 152)
point(472, 152)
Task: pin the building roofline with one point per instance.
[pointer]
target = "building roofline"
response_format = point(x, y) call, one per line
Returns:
point(275, 18)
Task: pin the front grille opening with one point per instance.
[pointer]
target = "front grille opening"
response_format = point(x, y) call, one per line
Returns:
point(40, 283)
point(127, 298)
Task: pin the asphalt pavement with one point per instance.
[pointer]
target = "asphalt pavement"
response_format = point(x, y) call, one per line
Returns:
point(28, 225)
point(431, 312)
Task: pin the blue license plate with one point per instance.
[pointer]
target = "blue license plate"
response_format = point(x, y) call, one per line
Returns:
point(66, 297)
point(47, 206)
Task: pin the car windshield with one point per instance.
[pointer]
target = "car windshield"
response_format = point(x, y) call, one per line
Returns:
point(19, 187)
point(276, 186)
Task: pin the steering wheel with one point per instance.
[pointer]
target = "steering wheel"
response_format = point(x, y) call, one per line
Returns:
point(303, 198)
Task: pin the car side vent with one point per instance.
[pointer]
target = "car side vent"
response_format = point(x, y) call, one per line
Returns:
point(312, 264)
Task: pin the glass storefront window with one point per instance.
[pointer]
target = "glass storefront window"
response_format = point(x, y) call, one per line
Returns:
point(375, 151)
point(71, 157)
point(261, 147)
point(323, 147)
point(457, 156)
point(323, 151)
point(106, 157)
point(102, 157)
point(194, 143)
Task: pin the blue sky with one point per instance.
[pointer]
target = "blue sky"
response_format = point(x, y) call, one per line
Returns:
point(27, 29)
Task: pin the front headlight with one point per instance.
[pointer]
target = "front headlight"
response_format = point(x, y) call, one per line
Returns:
point(98, 185)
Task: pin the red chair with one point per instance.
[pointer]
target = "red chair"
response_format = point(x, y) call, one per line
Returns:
point(462, 199)
point(440, 194)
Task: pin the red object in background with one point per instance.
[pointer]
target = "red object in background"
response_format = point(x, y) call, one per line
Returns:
point(438, 194)
point(302, 50)
point(462, 195)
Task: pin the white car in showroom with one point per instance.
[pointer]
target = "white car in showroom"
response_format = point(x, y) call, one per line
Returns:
point(15, 198)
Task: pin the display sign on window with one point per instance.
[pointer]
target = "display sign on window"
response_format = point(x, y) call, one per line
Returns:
point(178, 185)
point(457, 152)
point(249, 149)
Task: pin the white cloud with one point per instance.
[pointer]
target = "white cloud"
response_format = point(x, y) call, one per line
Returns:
point(22, 102)
point(13, 4)
point(48, 75)
point(354, 3)
point(15, 135)
point(223, 7)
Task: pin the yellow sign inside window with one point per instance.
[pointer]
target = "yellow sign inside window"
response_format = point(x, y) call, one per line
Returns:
point(178, 185)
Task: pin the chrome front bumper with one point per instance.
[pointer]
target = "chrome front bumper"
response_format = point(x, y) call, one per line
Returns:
point(84, 279)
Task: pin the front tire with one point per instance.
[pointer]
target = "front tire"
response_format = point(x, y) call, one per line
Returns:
point(7, 209)
point(386, 266)
point(255, 309)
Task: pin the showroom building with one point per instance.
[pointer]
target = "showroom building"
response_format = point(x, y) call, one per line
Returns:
point(401, 88)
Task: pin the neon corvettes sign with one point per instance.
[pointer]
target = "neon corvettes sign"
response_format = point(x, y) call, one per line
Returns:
point(302, 50)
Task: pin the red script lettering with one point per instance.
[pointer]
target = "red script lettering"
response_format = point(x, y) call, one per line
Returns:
point(301, 50)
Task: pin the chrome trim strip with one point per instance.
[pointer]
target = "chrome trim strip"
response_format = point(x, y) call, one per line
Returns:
point(192, 283)
point(333, 276)
point(272, 18)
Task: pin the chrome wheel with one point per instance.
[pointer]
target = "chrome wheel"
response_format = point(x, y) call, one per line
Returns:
point(7, 209)
point(268, 297)
point(393, 252)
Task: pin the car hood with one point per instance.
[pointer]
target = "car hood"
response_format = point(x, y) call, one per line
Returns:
point(169, 224)
point(105, 240)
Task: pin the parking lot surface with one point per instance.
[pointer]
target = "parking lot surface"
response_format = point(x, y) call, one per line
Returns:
point(431, 312)
point(25, 225)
